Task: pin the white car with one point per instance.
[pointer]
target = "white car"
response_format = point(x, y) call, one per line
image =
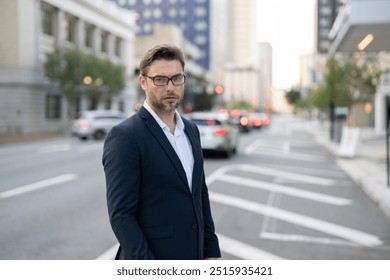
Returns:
point(96, 123)
point(216, 132)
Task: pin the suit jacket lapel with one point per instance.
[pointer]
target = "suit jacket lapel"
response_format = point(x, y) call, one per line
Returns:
point(196, 153)
point(159, 135)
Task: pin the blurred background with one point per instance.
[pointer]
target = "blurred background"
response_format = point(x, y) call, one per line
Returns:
point(258, 55)
point(272, 85)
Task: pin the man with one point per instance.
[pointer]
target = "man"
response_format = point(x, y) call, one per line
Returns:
point(157, 197)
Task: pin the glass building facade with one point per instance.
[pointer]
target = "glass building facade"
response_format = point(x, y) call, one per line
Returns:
point(192, 16)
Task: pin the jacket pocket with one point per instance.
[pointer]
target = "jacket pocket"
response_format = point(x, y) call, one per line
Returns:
point(156, 232)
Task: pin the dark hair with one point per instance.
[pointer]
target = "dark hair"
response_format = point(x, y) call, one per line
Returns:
point(164, 51)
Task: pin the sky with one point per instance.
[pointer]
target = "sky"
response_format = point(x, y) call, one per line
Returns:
point(288, 25)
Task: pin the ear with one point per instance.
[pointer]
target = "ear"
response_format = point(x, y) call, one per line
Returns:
point(142, 82)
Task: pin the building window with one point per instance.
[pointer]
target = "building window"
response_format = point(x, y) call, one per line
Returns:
point(88, 40)
point(118, 47)
point(47, 21)
point(104, 42)
point(70, 29)
point(53, 106)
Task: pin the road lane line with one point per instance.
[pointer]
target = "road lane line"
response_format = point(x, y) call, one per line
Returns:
point(291, 155)
point(242, 250)
point(54, 148)
point(39, 185)
point(109, 254)
point(357, 236)
point(293, 176)
point(270, 172)
point(285, 190)
point(91, 148)
point(306, 239)
point(228, 245)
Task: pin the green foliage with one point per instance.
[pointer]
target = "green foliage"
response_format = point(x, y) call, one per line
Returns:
point(69, 67)
point(293, 96)
point(241, 105)
point(346, 82)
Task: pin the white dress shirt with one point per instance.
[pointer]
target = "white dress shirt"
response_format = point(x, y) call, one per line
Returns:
point(179, 142)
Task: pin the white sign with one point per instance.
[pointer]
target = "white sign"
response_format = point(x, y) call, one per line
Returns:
point(349, 142)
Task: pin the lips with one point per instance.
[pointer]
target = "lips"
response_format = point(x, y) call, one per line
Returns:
point(173, 97)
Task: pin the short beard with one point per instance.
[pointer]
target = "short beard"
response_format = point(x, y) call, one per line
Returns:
point(168, 108)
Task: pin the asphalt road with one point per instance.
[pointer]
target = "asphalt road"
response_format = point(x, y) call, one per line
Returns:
point(281, 197)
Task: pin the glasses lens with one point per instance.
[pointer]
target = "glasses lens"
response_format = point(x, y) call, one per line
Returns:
point(178, 80)
point(160, 80)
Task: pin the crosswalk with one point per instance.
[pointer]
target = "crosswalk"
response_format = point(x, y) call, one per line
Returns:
point(257, 177)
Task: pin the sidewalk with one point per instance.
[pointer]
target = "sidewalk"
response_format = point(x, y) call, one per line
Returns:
point(12, 139)
point(367, 168)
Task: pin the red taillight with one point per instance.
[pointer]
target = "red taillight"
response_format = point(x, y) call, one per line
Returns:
point(220, 132)
point(211, 122)
point(244, 121)
point(257, 123)
point(84, 124)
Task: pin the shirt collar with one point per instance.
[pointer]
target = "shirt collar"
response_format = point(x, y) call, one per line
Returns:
point(179, 121)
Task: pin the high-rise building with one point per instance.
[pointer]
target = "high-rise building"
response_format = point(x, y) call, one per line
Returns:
point(327, 11)
point(191, 16)
point(243, 77)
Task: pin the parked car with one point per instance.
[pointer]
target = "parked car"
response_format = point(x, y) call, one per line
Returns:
point(96, 123)
point(216, 132)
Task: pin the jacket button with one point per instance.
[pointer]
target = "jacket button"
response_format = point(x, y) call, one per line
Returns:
point(194, 226)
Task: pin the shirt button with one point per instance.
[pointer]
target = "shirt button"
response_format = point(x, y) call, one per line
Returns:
point(194, 226)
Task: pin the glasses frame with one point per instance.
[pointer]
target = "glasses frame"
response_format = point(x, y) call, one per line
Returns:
point(168, 79)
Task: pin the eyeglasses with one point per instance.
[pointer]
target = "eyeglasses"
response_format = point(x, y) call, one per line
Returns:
point(163, 81)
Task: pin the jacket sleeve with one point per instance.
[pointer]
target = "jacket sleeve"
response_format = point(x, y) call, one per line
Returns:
point(121, 161)
point(211, 244)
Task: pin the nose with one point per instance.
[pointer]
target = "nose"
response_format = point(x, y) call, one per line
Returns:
point(170, 85)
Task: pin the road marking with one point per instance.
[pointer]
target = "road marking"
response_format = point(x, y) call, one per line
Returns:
point(292, 155)
point(54, 148)
point(228, 245)
point(334, 173)
point(244, 251)
point(283, 150)
point(91, 148)
point(298, 219)
point(270, 172)
point(306, 239)
point(38, 185)
point(285, 190)
point(109, 254)
point(286, 147)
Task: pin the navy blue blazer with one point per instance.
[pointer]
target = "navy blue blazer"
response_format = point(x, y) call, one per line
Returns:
point(152, 211)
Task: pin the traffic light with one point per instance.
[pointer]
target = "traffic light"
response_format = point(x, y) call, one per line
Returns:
point(219, 89)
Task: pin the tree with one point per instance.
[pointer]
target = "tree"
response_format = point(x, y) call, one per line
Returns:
point(293, 96)
point(346, 82)
point(84, 75)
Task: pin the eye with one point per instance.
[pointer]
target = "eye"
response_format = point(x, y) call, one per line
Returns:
point(177, 78)
point(160, 79)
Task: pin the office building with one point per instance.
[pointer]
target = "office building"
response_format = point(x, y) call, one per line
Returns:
point(33, 29)
point(327, 11)
point(192, 17)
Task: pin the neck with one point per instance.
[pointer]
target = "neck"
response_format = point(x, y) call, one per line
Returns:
point(169, 118)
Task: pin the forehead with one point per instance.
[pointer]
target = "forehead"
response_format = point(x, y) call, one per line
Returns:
point(165, 67)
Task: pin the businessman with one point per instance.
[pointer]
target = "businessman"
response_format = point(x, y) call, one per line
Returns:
point(157, 197)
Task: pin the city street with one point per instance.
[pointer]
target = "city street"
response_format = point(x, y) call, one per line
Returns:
point(281, 197)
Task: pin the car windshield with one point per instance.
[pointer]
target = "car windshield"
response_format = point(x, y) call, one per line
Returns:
point(206, 122)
